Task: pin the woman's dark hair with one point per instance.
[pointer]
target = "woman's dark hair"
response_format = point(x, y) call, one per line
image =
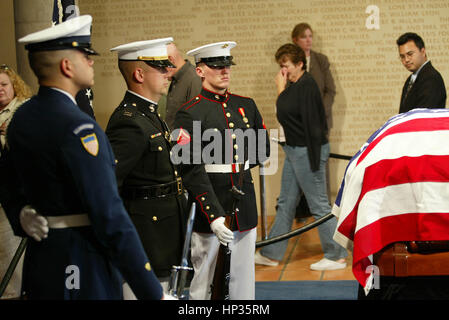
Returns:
point(292, 52)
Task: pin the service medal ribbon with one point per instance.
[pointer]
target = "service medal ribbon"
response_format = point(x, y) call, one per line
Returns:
point(156, 135)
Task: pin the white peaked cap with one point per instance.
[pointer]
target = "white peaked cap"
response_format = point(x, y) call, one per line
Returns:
point(214, 53)
point(151, 51)
point(71, 34)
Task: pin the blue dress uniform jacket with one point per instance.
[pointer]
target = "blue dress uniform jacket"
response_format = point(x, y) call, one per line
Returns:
point(223, 116)
point(149, 183)
point(61, 163)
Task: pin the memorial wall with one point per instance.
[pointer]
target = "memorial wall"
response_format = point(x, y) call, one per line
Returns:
point(8, 49)
point(358, 36)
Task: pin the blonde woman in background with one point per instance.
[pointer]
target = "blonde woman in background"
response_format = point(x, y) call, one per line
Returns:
point(13, 92)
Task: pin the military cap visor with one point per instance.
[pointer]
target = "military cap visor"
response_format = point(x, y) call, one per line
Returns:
point(164, 63)
point(224, 61)
point(161, 63)
point(79, 43)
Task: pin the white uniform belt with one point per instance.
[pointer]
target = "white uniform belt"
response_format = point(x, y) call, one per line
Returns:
point(224, 168)
point(70, 221)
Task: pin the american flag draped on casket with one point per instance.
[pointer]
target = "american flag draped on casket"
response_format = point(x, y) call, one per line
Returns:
point(396, 188)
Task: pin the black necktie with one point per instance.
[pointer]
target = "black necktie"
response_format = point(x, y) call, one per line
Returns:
point(409, 86)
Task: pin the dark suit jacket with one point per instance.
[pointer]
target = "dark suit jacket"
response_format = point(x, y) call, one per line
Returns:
point(428, 91)
point(319, 69)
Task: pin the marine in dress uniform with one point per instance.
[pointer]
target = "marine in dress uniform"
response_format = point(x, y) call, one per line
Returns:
point(149, 183)
point(60, 162)
point(229, 118)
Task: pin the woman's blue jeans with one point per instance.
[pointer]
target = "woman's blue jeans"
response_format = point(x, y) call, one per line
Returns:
point(297, 177)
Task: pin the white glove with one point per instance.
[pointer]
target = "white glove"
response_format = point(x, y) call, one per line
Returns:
point(168, 297)
point(35, 225)
point(223, 234)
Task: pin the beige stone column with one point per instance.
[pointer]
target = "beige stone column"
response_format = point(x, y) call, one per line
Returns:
point(30, 16)
point(7, 37)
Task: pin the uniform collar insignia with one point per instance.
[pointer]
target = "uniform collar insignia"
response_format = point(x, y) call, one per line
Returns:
point(214, 96)
point(144, 104)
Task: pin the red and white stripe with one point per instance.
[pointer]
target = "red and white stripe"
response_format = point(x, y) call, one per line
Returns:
point(396, 189)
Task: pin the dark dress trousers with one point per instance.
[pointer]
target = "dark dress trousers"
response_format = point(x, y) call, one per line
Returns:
point(428, 91)
point(222, 116)
point(150, 185)
point(61, 163)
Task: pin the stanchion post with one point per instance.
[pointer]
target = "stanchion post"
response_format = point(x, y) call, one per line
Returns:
point(263, 205)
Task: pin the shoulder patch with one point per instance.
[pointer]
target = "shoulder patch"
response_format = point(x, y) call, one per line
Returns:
point(183, 137)
point(90, 143)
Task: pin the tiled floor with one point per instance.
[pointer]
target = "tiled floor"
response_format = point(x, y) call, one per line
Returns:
point(302, 251)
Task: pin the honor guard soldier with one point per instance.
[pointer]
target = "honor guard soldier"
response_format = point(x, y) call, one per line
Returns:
point(61, 164)
point(150, 185)
point(232, 120)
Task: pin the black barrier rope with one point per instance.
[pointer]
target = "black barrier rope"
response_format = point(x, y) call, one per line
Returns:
point(339, 156)
point(295, 232)
point(12, 265)
point(308, 226)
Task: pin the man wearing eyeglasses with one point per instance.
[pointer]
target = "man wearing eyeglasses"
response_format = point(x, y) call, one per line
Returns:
point(425, 87)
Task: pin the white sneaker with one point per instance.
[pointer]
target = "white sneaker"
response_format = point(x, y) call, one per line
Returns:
point(260, 259)
point(326, 264)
